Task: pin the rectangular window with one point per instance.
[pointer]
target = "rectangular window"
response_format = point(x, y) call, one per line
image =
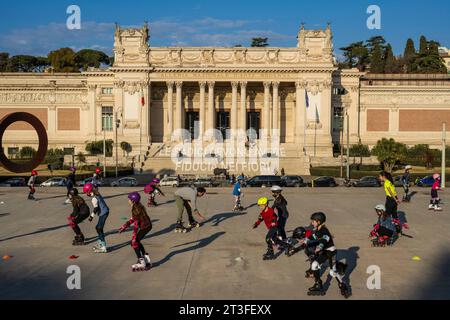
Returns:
point(223, 123)
point(339, 91)
point(107, 90)
point(69, 151)
point(253, 122)
point(338, 118)
point(192, 124)
point(107, 118)
point(13, 151)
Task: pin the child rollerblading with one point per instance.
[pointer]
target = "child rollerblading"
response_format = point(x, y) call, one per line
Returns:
point(405, 182)
point(100, 209)
point(70, 183)
point(80, 213)
point(320, 249)
point(31, 183)
point(186, 198)
point(280, 208)
point(385, 231)
point(142, 225)
point(435, 200)
point(152, 189)
point(270, 219)
point(96, 178)
point(237, 193)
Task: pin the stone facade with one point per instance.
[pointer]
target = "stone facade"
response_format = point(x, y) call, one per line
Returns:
point(155, 92)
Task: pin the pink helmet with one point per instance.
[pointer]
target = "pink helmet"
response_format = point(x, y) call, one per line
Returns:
point(436, 176)
point(148, 188)
point(88, 187)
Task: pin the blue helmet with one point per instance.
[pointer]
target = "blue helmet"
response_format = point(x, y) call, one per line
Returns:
point(240, 178)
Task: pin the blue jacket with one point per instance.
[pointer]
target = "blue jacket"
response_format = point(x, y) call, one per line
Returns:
point(237, 189)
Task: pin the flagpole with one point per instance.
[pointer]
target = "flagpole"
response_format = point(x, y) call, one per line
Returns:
point(304, 122)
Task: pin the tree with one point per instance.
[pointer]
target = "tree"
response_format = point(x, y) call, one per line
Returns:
point(27, 152)
point(376, 41)
point(55, 157)
point(377, 61)
point(423, 154)
point(24, 63)
point(409, 55)
point(423, 46)
point(4, 58)
point(428, 59)
point(126, 147)
point(260, 42)
point(81, 159)
point(357, 55)
point(63, 60)
point(391, 65)
point(389, 153)
point(87, 58)
point(96, 147)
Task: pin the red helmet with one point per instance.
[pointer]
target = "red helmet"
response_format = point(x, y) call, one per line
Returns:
point(34, 173)
point(98, 171)
point(88, 187)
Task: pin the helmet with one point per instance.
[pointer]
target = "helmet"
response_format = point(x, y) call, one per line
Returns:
point(73, 192)
point(276, 189)
point(262, 201)
point(148, 188)
point(299, 233)
point(72, 169)
point(408, 167)
point(436, 176)
point(134, 197)
point(88, 187)
point(240, 178)
point(34, 173)
point(157, 181)
point(98, 170)
point(319, 216)
point(380, 207)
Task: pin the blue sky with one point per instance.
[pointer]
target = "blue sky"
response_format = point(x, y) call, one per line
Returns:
point(36, 27)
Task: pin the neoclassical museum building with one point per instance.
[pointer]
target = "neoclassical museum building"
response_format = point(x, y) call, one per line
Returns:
point(295, 96)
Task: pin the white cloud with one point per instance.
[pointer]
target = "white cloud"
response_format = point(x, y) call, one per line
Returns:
point(165, 32)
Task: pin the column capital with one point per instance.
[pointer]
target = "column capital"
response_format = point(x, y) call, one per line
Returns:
point(234, 84)
point(202, 84)
point(211, 84)
point(276, 84)
point(243, 84)
point(179, 84)
point(303, 84)
point(170, 84)
point(267, 85)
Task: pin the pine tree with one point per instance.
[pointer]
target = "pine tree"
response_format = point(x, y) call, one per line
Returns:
point(377, 60)
point(409, 55)
point(423, 46)
point(390, 61)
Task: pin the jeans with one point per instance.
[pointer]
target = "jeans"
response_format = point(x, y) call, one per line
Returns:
point(99, 227)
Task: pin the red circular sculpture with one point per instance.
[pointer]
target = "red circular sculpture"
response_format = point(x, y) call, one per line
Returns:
point(43, 142)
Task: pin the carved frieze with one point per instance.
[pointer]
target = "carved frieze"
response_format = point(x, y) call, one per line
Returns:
point(42, 98)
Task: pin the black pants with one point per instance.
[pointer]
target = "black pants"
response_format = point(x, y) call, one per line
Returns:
point(79, 219)
point(271, 237)
point(281, 227)
point(391, 207)
point(383, 231)
point(137, 246)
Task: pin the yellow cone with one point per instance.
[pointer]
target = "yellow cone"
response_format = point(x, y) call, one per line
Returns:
point(416, 258)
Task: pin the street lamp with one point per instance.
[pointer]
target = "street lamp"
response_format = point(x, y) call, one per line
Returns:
point(117, 143)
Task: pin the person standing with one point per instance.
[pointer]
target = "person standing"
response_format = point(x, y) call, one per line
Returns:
point(186, 198)
point(405, 182)
point(70, 183)
point(280, 207)
point(31, 183)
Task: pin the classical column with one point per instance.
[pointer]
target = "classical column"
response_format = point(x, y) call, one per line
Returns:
point(300, 112)
point(179, 106)
point(93, 109)
point(243, 115)
point(211, 110)
point(170, 117)
point(325, 115)
point(234, 106)
point(267, 125)
point(202, 115)
point(276, 106)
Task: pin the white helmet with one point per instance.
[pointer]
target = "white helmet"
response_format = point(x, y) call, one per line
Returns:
point(408, 167)
point(380, 207)
point(276, 189)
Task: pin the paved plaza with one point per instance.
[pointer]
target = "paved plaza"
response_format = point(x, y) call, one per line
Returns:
point(223, 259)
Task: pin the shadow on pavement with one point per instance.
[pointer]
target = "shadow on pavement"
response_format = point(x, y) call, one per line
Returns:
point(35, 232)
point(4, 215)
point(198, 244)
point(221, 217)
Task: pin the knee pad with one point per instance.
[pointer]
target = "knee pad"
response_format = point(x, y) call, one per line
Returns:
point(72, 223)
point(315, 266)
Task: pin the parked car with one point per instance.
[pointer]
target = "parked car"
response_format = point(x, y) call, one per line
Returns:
point(324, 182)
point(170, 182)
point(86, 181)
point(293, 181)
point(15, 182)
point(425, 182)
point(205, 182)
point(265, 181)
point(125, 182)
point(55, 182)
point(367, 182)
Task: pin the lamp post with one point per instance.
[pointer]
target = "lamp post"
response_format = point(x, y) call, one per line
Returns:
point(348, 145)
point(444, 134)
point(117, 143)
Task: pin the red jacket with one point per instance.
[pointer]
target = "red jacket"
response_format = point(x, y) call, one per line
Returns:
point(268, 216)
